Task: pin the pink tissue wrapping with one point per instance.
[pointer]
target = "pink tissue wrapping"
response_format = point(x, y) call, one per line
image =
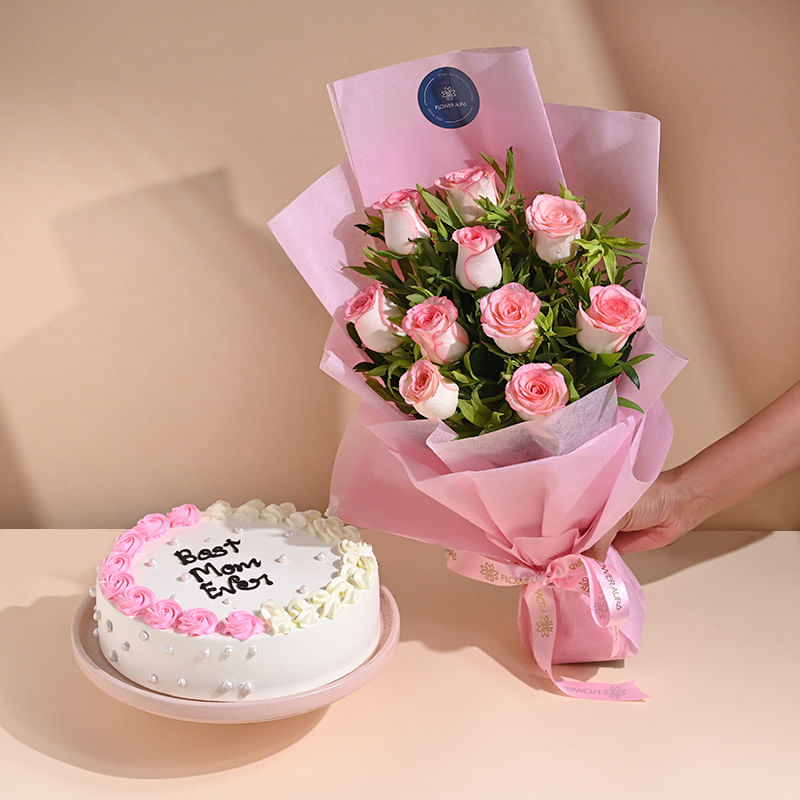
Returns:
point(527, 496)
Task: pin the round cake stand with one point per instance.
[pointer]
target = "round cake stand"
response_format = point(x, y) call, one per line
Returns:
point(92, 663)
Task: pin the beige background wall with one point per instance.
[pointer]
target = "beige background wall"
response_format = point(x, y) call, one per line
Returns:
point(157, 347)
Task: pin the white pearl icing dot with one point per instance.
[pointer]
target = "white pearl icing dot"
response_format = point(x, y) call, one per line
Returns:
point(109, 626)
point(112, 655)
point(303, 589)
point(169, 649)
point(172, 542)
point(181, 682)
point(227, 650)
point(208, 540)
point(289, 534)
point(153, 678)
point(184, 576)
point(126, 645)
point(92, 591)
point(319, 557)
point(226, 686)
point(151, 562)
point(205, 652)
point(95, 633)
point(96, 616)
point(246, 687)
point(282, 558)
point(238, 530)
point(226, 601)
point(144, 635)
point(251, 651)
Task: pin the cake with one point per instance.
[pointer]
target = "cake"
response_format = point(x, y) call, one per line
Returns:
point(237, 603)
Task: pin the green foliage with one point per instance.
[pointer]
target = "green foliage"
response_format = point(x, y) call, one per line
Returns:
point(600, 258)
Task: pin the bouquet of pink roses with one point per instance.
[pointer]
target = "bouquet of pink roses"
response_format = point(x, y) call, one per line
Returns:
point(496, 335)
point(486, 310)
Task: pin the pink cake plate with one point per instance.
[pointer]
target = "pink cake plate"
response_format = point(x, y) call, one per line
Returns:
point(105, 677)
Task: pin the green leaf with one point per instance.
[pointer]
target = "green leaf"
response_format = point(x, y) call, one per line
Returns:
point(625, 403)
point(631, 373)
point(564, 330)
point(573, 393)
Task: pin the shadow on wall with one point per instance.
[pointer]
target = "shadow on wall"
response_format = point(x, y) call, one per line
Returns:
point(187, 371)
point(55, 710)
point(17, 509)
point(722, 86)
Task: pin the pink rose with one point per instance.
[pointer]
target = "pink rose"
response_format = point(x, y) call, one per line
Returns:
point(432, 325)
point(431, 394)
point(162, 614)
point(464, 186)
point(114, 563)
point(134, 600)
point(241, 625)
point(196, 622)
point(401, 220)
point(614, 314)
point(477, 263)
point(508, 315)
point(116, 583)
point(151, 526)
point(184, 516)
point(555, 223)
point(369, 311)
point(128, 543)
point(536, 390)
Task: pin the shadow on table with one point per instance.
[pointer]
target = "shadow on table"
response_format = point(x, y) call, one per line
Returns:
point(447, 612)
point(688, 552)
point(48, 705)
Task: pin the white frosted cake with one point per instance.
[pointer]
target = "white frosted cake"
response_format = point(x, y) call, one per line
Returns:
point(236, 603)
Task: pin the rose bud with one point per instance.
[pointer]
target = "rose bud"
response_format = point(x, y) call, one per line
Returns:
point(477, 263)
point(431, 394)
point(536, 390)
point(432, 325)
point(401, 220)
point(464, 186)
point(614, 314)
point(555, 223)
point(369, 311)
point(508, 315)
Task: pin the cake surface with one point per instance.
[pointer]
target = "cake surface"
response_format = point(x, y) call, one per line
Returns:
point(237, 603)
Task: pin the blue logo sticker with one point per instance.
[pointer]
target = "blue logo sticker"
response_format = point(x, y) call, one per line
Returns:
point(448, 98)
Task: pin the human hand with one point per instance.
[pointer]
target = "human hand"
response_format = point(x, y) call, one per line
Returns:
point(658, 519)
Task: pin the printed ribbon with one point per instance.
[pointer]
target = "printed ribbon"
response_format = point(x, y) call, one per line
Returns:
point(608, 601)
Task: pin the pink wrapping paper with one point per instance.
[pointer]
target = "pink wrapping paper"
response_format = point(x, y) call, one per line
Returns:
point(517, 506)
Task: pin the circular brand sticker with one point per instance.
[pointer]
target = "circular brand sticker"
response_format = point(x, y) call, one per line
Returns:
point(448, 98)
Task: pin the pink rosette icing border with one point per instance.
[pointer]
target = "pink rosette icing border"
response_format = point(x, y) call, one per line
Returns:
point(196, 622)
point(115, 583)
point(114, 563)
point(241, 625)
point(163, 614)
point(134, 600)
point(119, 586)
point(128, 543)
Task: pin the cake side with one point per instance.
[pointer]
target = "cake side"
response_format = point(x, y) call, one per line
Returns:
point(245, 602)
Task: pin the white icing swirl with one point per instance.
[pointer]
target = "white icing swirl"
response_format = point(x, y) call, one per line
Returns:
point(303, 614)
point(324, 602)
point(276, 617)
point(218, 510)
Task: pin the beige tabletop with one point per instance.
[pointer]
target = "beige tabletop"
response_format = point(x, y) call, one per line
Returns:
point(460, 710)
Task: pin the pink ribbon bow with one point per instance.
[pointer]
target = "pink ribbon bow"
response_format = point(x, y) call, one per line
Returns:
point(608, 601)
